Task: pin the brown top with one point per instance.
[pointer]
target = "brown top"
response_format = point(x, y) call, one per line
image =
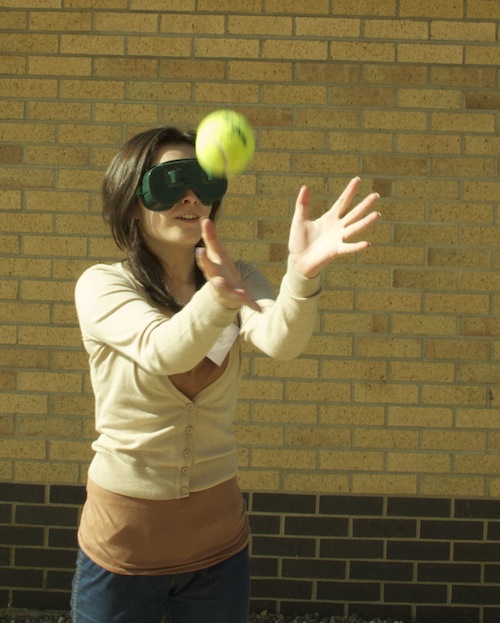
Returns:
point(133, 536)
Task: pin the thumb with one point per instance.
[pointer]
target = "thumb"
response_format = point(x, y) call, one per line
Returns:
point(301, 212)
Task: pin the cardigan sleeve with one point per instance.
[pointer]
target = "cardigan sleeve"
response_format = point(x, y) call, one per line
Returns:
point(285, 325)
point(114, 310)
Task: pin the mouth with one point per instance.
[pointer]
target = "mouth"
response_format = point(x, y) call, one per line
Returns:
point(188, 217)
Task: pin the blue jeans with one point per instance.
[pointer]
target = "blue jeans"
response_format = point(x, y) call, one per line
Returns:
point(219, 594)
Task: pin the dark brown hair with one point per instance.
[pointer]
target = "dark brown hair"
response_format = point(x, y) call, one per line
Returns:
point(119, 186)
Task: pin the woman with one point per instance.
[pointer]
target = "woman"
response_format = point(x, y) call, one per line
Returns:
point(164, 524)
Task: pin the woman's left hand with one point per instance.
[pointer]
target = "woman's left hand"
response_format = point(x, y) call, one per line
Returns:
point(314, 244)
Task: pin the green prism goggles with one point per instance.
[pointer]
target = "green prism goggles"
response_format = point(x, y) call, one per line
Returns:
point(166, 183)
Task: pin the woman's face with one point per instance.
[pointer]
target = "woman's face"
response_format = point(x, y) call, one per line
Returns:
point(180, 226)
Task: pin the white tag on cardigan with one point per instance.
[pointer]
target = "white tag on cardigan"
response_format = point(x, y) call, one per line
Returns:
point(223, 344)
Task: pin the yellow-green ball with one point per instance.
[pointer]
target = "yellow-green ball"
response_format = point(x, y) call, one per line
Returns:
point(225, 143)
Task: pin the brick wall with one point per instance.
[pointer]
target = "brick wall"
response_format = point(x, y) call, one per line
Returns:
point(398, 390)
point(412, 558)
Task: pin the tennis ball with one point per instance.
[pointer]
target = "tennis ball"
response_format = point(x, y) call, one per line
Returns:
point(225, 143)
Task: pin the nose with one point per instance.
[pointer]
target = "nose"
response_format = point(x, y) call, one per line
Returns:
point(190, 197)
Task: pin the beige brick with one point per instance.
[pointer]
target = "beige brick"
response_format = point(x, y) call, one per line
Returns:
point(15, 65)
point(385, 484)
point(254, 71)
point(284, 459)
point(375, 73)
point(259, 480)
point(300, 482)
point(487, 326)
point(474, 464)
point(399, 29)
point(13, 20)
point(430, 98)
point(362, 51)
point(25, 87)
point(424, 279)
point(429, 8)
point(125, 112)
point(353, 324)
point(478, 373)
point(11, 154)
point(48, 381)
point(49, 336)
point(8, 334)
point(485, 281)
point(293, 6)
point(480, 191)
point(259, 435)
point(327, 27)
point(395, 120)
point(27, 132)
point(92, 44)
point(22, 449)
point(56, 201)
point(226, 6)
point(94, 134)
point(482, 55)
point(459, 257)
point(456, 349)
point(24, 312)
point(47, 427)
point(47, 291)
point(352, 461)
point(297, 368)
point(322, 118)
point(455, 77)
point(282, 412)
point(386, 438)
point(55, 245)
point(29, 43)
point(8, 289)
point(70, 451)
point(359, 7)
point(482, 145)
point(79, 179)
point(60, 66)
point(159, 5)
point(481, 9)
point(312, 163)
point(430, 53)
point(60, 21)
point(350, 370)
point(457, 122)
point(453, 395)
point(227, 93)
point(318, 437)
point(255, 24)
point(321, 392)
point(225, 47)
point(21, 267)
point(46, 472)
point(419, 417)
point(467, 212)
point(419, 324)
point(129, 22)
point(428, 143)
point(7, 380)
point(463, 31)
point(73, 405)
point(451, 486)
point(377, 346)
point(23, 403)
point(352, 141)
point(356, 415)
point(418, 462)
point(422, 371)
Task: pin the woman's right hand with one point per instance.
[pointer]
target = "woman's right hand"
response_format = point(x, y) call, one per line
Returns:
point(221, 272)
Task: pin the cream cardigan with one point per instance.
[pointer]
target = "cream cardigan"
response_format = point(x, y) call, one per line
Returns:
point(154, 442)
